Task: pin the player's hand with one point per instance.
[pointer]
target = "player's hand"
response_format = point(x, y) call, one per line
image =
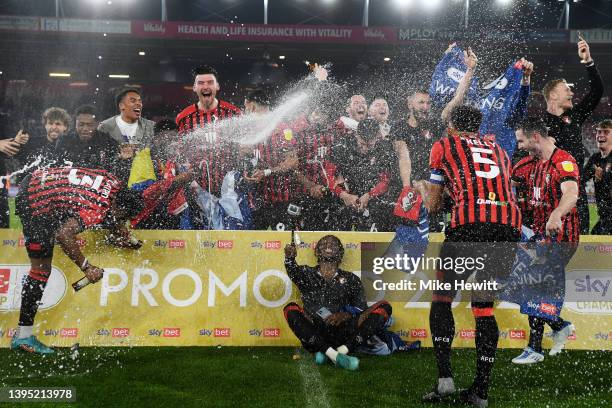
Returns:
point(584, 51)
point(598, 173)
point(316, 191)
point(363, 201)
point(337, 318)
point(9, 147)
point(290, 251)
point(450, 47)
point(319, 72)
point(255, 177)
point(127, 151)
point(185, 177)
point(527, 68)
point(94, 273)
point(470, 59)
point(554, 224)
point(350, 200)
point(22, 137)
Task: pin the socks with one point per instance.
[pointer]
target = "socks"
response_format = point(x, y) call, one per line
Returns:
point(24, 332)
point(442, 326)
point(536, 333)
point(556, 325)
point(31, 294)
point(343, 349)
point(332, 354)
point(487, 335)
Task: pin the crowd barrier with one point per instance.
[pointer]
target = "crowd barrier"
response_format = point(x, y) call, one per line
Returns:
point(203, 288)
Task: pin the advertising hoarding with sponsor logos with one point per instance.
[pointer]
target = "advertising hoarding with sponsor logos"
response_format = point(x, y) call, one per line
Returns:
point(202, 288)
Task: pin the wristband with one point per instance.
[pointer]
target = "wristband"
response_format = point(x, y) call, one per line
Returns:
point(267, 172)
point(84, 265)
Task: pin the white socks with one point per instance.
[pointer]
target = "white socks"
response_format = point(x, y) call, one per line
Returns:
point(332, 354)
point(24, 331)
point(343, 350)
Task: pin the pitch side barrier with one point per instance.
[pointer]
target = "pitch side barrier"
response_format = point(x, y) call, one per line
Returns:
point(203, 288)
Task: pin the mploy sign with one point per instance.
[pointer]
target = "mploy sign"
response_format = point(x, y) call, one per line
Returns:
point(11, 283)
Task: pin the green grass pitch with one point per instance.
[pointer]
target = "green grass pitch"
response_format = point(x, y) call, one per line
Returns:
point(271, 377)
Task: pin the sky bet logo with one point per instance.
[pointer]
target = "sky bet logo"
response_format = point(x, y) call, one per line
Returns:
point(216, 332)
point(589, 285)
point(165, 332)
point(172, 244)
point(603, 336)
point(269, 332)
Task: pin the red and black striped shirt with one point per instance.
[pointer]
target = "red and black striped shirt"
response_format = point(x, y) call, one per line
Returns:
point(520, 175)
point(314, 149)
point(216, 156)
point(278, 187)
point(71, 191)
point(545, 193)
point(477, 174)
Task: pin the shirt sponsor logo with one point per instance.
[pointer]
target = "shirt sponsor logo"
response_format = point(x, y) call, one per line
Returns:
point(548, 308)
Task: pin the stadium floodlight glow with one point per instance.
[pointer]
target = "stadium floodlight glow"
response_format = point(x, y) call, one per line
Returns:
point(59, 74)
point(281, 57)
point(404, 3)
point(386, 59)
point(142, 53)
point(123, 76)
point(431, 5)
point(504, 2)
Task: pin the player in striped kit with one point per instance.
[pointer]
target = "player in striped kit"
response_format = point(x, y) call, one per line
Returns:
point(59, 203)
point(476, 173)
point(552, 187)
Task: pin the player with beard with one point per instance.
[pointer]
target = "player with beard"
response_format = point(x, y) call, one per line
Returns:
point(553, 193)
point(564, 119)
point(211, 155)
point(413, 139)
point(357, 110)
point(215, 155)
point(599, 168)
point(323, 325)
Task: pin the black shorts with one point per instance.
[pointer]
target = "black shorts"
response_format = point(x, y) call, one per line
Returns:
point(38, 232)
point(492, 247)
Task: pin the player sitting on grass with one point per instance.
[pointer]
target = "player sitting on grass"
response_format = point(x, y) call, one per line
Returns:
point(59, 203)
point(322, 325)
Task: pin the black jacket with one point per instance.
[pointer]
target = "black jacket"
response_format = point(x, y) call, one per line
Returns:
point(567, 128)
